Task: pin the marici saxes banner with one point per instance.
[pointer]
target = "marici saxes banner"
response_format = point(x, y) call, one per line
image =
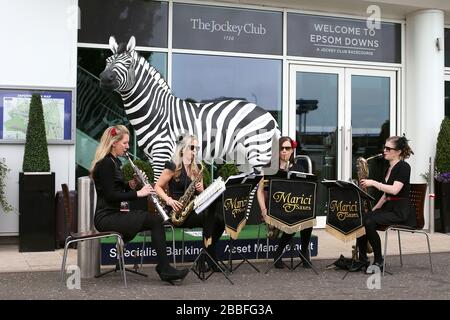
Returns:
point(292, 205)
point(235, 204)
point(344, 219)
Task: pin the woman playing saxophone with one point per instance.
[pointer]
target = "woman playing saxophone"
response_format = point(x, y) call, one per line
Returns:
point(180, 176)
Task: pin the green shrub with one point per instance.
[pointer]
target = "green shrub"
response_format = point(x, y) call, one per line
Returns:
point(443, 148)
point(35, 157)
point(3, 201)
point(227, 169)
point(128, 171)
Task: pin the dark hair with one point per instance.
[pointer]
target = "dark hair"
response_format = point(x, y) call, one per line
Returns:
point(401, 143)
point(282, 140)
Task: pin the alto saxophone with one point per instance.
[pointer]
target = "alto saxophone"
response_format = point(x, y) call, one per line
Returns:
point(362, 170)
point(178, 217)
point(142, 179)
point(362, 167)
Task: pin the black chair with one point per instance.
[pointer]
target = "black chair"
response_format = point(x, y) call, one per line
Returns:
point(417, 197)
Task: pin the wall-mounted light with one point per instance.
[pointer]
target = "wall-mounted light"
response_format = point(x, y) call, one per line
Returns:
point(438, 44)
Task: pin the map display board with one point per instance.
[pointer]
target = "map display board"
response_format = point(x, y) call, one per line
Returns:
point(14, 109)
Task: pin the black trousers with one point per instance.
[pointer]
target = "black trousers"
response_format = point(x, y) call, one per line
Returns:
point(372, 220)
point(305, 239)
point(154, 223)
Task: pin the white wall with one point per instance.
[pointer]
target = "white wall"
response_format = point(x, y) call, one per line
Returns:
point(424, 89)
point(39, 49)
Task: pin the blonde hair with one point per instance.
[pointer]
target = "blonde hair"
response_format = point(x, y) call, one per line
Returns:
point(111, 135)
point(183, 144)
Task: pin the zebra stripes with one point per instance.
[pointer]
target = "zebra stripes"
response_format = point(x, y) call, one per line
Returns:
point(231, 130)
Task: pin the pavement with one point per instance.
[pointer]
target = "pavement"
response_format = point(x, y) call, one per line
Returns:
point(34, 275)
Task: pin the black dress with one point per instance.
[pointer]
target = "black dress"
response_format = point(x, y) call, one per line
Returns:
point(211, 219)
point(111, 191)
point(398, 210)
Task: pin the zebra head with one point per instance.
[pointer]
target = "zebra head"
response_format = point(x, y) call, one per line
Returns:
point(119, 73)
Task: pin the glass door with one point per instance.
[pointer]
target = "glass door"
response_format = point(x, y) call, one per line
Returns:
point(338, 114)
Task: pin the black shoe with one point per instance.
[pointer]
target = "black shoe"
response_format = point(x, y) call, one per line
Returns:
point(279, 264)
point(359, 265)
point(372, 269)
point(171, 274)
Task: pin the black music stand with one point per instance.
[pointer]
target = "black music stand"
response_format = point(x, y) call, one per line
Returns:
point(203, 255)
point(250, 183)
point(303, 176)
point(365, 202)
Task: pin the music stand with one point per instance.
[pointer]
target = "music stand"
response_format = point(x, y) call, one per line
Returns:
point(239, 189)
point(347, 192)
point(298, 176)
point(201, 273)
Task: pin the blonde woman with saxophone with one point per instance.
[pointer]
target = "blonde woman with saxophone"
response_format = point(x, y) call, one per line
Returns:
point(177, 176)
point(394, 206)
point(113, 193)
point(286, 155)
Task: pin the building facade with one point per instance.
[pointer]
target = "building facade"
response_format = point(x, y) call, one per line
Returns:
point(339, 76)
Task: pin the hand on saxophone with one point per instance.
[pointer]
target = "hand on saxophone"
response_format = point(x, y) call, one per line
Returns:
point(145, 191)
point(176, 205)
point(199, 187)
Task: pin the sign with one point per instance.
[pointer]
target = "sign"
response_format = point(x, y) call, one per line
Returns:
point(14, 109)
point(342, 38)
point(249, 248)
point(235, 202)
point(344, 218)
point(291, 205)
point(227, 29)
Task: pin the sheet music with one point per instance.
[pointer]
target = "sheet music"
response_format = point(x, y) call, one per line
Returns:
point(204, 199)
point(347, 184)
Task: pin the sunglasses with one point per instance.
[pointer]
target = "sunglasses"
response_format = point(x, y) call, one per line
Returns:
point(194, 148)
point(286, 148)
point(388, 148)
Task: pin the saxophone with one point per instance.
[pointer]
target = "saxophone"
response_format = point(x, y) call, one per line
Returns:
point(362, 170)
point(362, 167)
point(153, 197)
point(178, 217)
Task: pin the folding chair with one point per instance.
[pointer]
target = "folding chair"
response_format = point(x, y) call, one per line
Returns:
point(94, 235)
point(417, 197)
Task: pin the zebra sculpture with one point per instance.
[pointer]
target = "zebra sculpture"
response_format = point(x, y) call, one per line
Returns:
point(227, 130)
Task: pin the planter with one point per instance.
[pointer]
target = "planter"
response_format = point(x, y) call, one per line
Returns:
point(442, 206)
point(37, 212)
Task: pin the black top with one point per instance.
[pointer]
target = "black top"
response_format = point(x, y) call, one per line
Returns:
point(400, 172)
point(177, 186)
point(110, 185)
point(401, 207)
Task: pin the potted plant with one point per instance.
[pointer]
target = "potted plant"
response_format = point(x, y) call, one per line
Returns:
point(442, 177)
point(36, 186)
point(4, 204)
